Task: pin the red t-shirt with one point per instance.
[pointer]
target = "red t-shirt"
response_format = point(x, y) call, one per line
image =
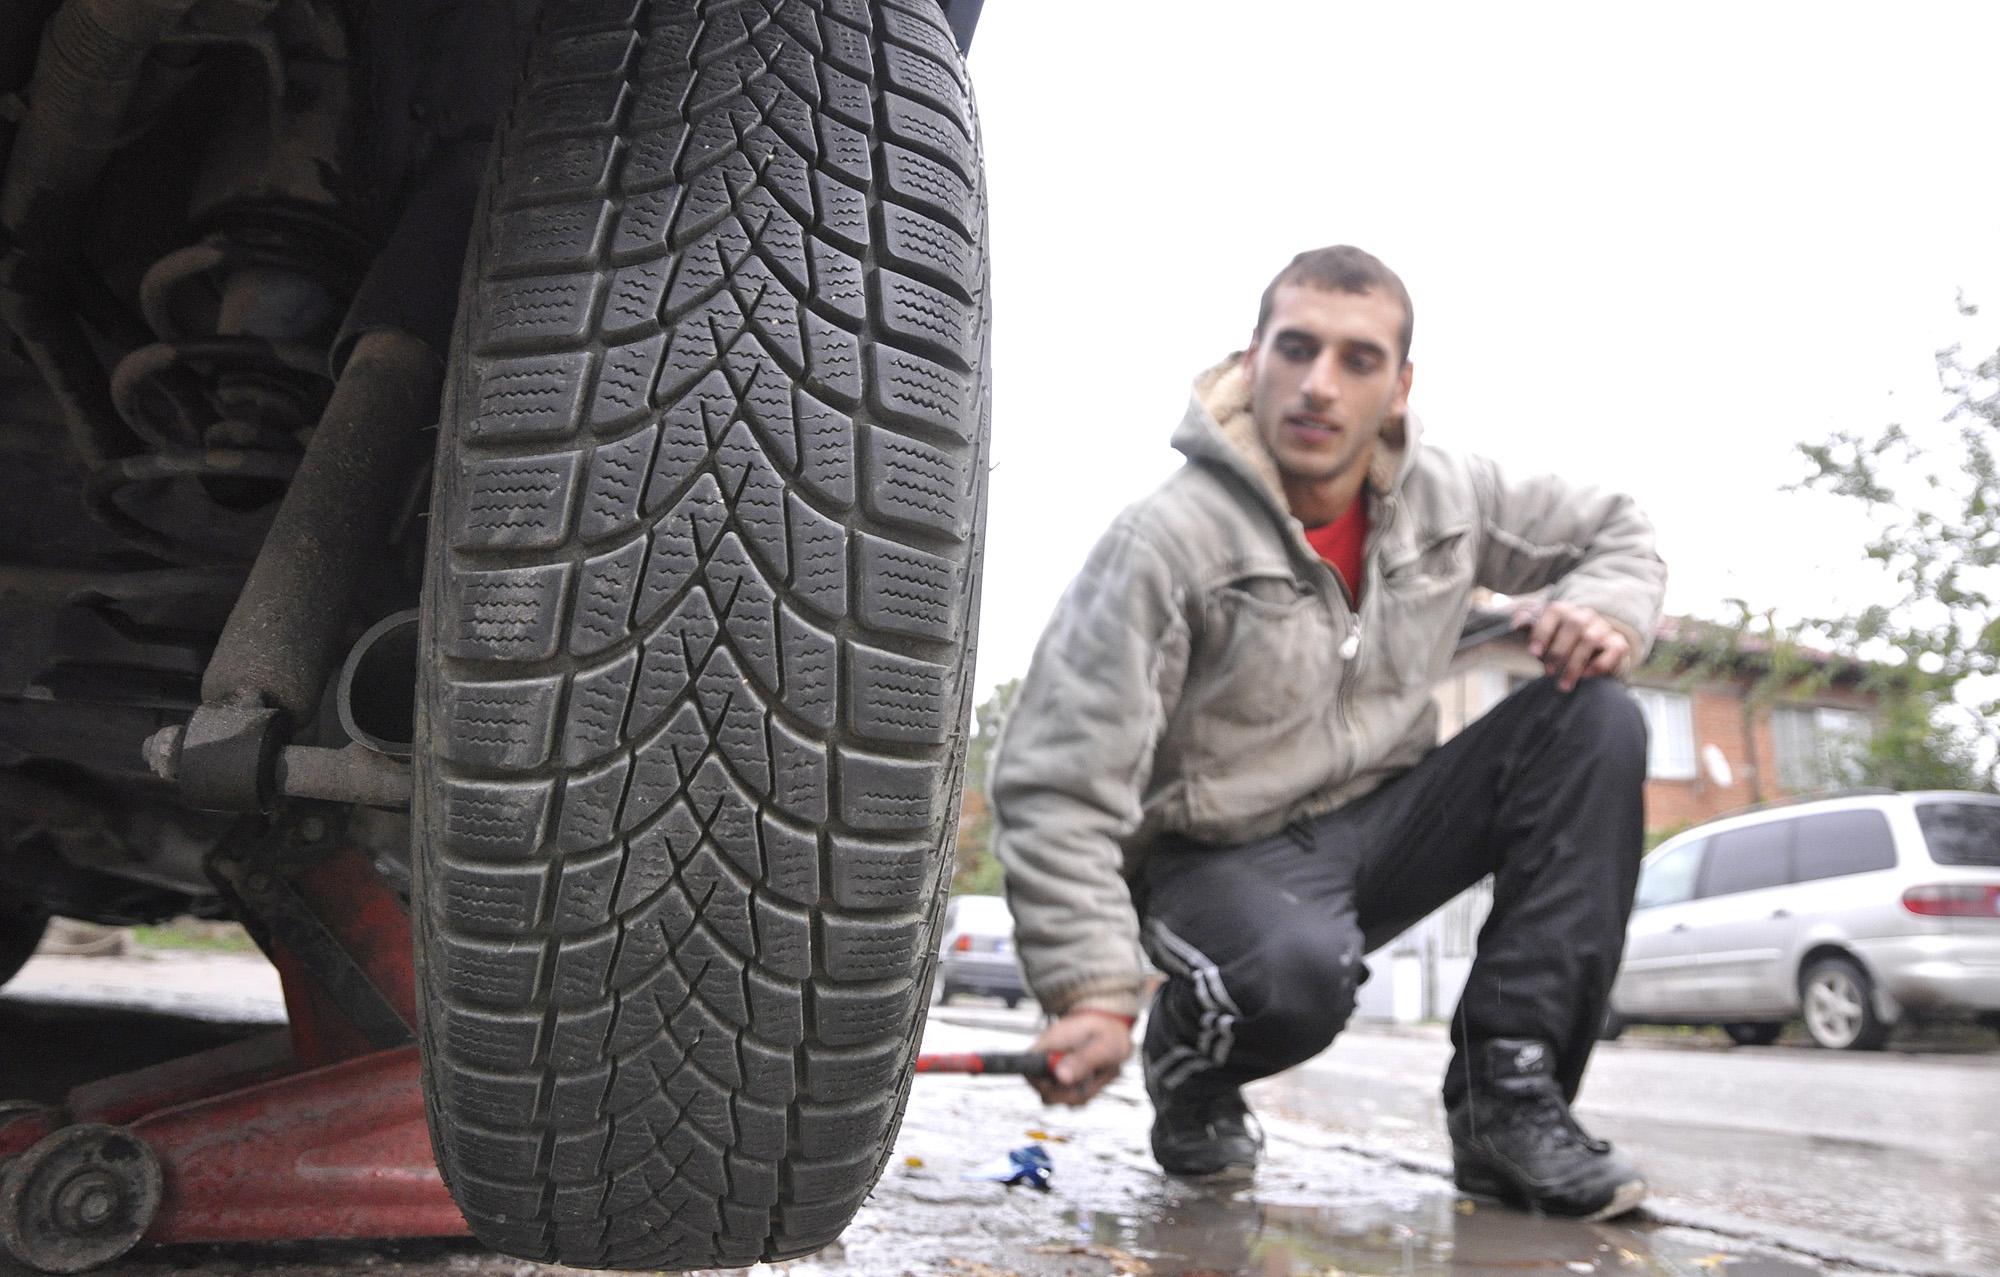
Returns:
point(1339, 543)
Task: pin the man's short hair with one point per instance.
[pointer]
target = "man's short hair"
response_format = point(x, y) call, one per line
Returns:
point(1346, 269)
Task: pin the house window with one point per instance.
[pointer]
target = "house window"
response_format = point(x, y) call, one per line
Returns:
point(1669, 733)
point(1818, 747)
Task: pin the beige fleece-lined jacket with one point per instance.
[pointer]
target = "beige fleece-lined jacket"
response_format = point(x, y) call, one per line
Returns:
point(1205, 674)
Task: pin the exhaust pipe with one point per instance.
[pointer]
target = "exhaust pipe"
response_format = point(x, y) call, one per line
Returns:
point(377, 693)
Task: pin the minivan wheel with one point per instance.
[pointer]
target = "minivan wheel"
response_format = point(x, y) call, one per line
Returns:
point(1839, 1006)
point(1612, 1028)
point(1753, 1034)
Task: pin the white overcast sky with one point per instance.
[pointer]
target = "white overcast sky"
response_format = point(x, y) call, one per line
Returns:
point(1651, 245)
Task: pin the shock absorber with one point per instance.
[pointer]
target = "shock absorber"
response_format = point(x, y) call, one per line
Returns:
point(226, 396)
point(242, 317)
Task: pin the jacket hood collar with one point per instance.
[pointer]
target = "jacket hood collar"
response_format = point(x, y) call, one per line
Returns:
point(1218, 429)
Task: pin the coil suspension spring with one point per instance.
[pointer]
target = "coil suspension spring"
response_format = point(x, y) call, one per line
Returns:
point(227, 394)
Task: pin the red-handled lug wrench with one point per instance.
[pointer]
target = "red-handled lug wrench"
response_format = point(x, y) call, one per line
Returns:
point(1019, 1063)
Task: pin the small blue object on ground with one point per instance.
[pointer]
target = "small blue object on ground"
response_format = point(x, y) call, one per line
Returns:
point(1028, 1165)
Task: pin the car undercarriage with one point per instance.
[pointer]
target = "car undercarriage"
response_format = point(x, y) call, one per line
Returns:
point(538, 449)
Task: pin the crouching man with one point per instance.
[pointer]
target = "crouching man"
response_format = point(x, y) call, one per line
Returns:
point(1226, 751)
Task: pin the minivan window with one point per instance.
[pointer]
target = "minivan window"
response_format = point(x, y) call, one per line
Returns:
point(1829, 844)
point(1748, 858)
point(1961, 833)
point(1668, 878)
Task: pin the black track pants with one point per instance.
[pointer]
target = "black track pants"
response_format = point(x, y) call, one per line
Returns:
point(1262, 943)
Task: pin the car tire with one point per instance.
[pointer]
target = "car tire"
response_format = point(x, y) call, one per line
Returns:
point(21, 931)
point(1838, 1002)
point(697, 626)
point(1012, 1001)
point(1612, 1027)
point(1753, 1034)
point(946, 992)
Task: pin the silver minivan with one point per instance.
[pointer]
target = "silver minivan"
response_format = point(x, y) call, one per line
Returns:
point(1854, 913)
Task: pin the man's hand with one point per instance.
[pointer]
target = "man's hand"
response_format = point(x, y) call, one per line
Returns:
point(1573, 642)
point(1094, 1045)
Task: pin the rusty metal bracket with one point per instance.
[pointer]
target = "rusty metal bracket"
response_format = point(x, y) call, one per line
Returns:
point(232, 758)
point(226, 759)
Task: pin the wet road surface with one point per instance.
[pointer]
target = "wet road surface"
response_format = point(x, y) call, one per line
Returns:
point(1349, 1186)
point(1881, 1154)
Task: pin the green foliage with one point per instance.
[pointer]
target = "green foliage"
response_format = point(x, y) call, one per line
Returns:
point(975, 870)
point(192, 934)
point(1932, 494)
point(1911, 749)
point(1781, 664)
point(980, 878)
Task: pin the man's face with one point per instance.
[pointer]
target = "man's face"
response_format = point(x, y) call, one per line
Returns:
point(1324, 377)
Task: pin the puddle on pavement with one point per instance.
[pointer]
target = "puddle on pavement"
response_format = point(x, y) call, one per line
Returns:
point(1208, 1234)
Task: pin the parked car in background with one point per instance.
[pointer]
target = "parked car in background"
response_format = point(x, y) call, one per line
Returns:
point(1855, 913)
point(977, 953)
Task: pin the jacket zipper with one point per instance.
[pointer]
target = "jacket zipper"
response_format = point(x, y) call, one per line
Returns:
point(1350, 647)
point(1350, 643)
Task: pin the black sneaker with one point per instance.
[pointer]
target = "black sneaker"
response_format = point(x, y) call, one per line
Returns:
point(1513, 1138)
point(1206, 1136)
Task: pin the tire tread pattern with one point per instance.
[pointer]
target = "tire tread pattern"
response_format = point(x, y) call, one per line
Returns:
point(708, 518)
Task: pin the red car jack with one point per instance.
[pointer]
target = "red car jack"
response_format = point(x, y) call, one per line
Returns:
point(316, 1132)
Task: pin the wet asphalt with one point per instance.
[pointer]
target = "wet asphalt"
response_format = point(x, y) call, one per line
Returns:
point(1777, 1162)
point(1882, 1155)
